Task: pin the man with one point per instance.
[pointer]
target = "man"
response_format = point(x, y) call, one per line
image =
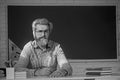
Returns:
point(43, 57)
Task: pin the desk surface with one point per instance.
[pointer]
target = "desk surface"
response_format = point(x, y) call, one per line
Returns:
point(70, 78)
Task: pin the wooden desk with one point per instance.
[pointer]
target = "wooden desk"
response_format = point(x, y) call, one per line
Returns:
point(72, 78)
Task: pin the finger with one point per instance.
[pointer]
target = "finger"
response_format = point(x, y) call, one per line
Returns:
point(56, 74)
point(53, 74)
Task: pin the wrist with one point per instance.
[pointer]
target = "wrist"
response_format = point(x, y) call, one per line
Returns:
point(35, 72)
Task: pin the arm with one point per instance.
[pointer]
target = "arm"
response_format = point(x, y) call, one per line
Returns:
point(64, 68)
point(24, 60)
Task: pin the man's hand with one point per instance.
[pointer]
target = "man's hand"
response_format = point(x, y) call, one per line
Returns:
point(43, 72)
point(58, 73)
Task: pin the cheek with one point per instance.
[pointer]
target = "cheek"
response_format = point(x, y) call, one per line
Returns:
point(38, 35)
point(46, 35)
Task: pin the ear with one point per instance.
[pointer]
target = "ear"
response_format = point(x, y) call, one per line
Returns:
point(34, 34)
point(51, 26)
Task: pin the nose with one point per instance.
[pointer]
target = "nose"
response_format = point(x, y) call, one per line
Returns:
point(43, 34)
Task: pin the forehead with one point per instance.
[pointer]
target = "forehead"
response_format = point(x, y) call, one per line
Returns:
point(41, 27)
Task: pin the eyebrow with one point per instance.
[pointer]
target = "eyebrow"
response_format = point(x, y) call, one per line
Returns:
point(42, 30)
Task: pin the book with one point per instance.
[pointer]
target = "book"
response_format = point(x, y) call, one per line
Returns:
point(99, 69)
point(98, 73)
point(21, 74)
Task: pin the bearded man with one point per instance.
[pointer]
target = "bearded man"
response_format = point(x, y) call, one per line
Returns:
point(43, 57)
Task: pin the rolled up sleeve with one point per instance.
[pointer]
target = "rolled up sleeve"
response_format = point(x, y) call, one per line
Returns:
point(24, 59)
point(63, 64)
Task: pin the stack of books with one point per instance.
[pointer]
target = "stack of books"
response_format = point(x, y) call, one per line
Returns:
point(101, 71)
point(20, 75)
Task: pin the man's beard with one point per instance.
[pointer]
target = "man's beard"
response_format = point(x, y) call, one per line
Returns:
point(42, 42)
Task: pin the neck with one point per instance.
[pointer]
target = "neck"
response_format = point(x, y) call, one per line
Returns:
point(43, 47)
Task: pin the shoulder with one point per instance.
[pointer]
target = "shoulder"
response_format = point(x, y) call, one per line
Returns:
point(26, 49)
point(53, 43)
point(57, 48)
point(27, 45)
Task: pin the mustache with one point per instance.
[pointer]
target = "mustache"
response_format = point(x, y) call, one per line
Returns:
point(40, 38)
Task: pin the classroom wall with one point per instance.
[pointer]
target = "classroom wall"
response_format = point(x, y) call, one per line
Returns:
point(78, 67)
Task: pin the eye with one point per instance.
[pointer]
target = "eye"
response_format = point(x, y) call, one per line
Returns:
point(46, 31)
point(39, 31)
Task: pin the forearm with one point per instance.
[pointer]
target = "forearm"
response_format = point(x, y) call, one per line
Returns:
point(44, 71)
point(65, 70)
point(22, 66)
point(67, 67)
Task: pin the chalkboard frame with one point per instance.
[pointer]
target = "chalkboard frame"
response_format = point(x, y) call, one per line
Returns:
point(77, 60)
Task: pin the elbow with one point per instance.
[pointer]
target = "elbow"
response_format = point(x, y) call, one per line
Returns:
point(68, 69)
